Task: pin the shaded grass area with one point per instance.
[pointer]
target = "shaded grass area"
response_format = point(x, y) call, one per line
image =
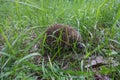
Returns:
point(23, 22)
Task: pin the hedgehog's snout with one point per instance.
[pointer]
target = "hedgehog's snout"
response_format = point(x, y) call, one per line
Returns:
point(80, 46)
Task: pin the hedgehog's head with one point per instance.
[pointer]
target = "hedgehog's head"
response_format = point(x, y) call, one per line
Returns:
point(80, 45)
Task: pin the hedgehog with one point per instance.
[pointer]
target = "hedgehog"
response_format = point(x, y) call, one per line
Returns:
point(62, 37)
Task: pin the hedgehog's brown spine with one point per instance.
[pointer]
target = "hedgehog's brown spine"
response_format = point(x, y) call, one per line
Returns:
point(69, 34)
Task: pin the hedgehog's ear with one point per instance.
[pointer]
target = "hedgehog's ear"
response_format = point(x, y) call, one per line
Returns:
point(80, 45)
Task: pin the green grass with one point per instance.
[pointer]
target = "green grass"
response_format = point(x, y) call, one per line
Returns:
point(23, 22)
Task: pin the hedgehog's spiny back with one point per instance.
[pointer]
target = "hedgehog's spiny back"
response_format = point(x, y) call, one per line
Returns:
point(67, 35)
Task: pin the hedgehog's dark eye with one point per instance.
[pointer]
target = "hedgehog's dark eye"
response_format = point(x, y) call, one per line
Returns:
point(79, 45)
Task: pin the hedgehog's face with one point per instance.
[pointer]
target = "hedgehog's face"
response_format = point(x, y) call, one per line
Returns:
point(79, 45)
